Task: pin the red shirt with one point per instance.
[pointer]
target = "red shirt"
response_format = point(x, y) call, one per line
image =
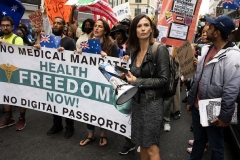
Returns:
point(212, 52)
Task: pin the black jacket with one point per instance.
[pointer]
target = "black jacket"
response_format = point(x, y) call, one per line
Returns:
point(154, 77)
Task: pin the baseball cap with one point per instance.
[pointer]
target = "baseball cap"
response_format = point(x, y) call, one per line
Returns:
point(223, 23)
point(126, 21)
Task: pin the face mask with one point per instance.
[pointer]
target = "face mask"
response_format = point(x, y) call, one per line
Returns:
point(202, 24)
point(88, 30)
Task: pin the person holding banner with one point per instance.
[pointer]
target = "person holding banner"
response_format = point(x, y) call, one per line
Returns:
point(217, 76)
point(66, 43)
point(87, 27)
point(147, 107)
point(101, 31)
point(7, 27)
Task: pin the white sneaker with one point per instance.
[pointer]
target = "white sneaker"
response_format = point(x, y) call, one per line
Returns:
point(167, 127)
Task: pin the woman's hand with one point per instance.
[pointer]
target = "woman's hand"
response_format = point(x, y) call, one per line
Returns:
point(130, 78)
point(122, 76)
point(126, 58)
point(79, 51)
point(37, 46)
point(60, 49)
point(103, 54)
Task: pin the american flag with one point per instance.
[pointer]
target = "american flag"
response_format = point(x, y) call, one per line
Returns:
point(169, 20)
point(91, 46)
point(231, 4)
point(49, 41)
point(169, 17)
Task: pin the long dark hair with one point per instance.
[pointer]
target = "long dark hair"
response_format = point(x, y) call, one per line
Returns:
point(107, 40)
point(73, 35)
point(133, 41)
point(25, 38)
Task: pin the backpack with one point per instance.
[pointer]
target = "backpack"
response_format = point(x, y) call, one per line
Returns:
point(170, 89)
point(13, 40)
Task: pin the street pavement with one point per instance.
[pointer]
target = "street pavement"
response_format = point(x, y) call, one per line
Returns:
point(32, 143)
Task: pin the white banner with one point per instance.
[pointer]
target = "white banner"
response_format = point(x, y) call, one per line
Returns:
point(122, 11)
point(61, 83)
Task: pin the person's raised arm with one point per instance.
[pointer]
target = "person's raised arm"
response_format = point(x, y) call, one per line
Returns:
point(70, 20)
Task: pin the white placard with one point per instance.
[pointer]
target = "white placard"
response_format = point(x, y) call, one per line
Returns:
point(122, 11)
point(178, 31)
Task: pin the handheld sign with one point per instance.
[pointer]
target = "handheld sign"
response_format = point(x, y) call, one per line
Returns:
point(36, 19)
point(186, 57)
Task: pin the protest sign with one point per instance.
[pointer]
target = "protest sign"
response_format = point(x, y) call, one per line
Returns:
point(61, 83)
point(36, 19)
point(186, 57)
point(57, 8)
point(122, 11)
point(177, 21)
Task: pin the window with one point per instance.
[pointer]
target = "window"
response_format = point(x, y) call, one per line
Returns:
point(31, 1)
point(138, 1)
point(119, 2)
point(137, 11)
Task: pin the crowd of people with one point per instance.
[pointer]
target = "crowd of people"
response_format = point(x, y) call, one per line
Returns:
point(217, 63)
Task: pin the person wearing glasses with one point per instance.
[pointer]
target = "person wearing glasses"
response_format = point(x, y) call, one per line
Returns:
point(9, 37)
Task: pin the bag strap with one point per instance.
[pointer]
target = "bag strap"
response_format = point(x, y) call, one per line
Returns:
point(14, 38)
point(154, 51)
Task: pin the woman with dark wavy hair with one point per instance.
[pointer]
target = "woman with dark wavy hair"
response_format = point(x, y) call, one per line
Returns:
point(21, 33)
point(151, 76)
point(101, 30)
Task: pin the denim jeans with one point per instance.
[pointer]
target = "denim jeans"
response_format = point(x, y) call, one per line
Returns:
point(91, 128)
point(167, 103)
point(202, 135)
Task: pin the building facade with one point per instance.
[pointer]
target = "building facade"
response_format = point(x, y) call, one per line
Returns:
point(213, 4)
point(143, 6)
point(138, 6)
point(30, 6)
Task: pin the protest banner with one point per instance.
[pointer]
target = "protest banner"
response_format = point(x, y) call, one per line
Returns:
point(61, 83)
point(186, 57)
point(36, 19)
point(57, 8)
point(122, 11)
point(177, 21)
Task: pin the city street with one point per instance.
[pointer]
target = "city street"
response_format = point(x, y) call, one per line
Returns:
point(32, 143)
